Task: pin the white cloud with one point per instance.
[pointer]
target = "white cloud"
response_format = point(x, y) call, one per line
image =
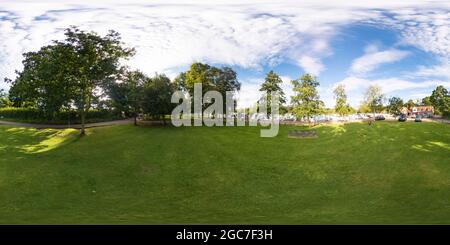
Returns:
point(427, 30)
point(311, 65)
point(167, 36)
point(440, 70)
point(355, 86)
point(389, 85)
point(373, 59)
point(250, 34)
point(249, 93)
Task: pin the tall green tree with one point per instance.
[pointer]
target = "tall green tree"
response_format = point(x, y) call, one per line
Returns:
point(271, 84)
point(93, 60)
point(127, 95)
point(68, 72)
point(364, 108)
point(341, 107)
point(45, 80)
point(410, 104)
point(157, 96)
point(440, 99)
point(306, 101)
point(373, 98)
point(426, 101)
point(212, 79)
point(395, 105)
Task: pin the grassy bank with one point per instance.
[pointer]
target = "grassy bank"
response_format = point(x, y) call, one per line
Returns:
point(389, 172)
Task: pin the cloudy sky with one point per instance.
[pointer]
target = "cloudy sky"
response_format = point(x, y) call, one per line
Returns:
point(403, 46)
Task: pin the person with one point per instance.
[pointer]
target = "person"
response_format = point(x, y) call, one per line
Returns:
point(370, 120)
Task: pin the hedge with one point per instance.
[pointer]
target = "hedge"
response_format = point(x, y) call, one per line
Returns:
point(37, 116)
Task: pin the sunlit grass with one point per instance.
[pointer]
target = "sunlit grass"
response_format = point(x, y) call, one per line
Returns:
point(354, 173)
point(441, 144)
point(56, 139)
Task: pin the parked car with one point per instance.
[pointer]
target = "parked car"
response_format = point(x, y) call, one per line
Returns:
point(379, 117)
point(418, 119)
point(402, 118)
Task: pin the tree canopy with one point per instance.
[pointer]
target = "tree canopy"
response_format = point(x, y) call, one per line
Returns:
point(426, 101)
point(4, 99)
point(440, 99)
point(67, 73)
point(306, 101)
point(271, 84)
point(373, 98)
point(395, 105)
point(157, 96)
point(342, 107)
point(126, 96)
point(212, 79)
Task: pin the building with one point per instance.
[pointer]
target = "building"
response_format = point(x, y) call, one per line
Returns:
point(425, 110)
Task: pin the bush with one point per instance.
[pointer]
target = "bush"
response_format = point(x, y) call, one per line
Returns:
point(34, 115)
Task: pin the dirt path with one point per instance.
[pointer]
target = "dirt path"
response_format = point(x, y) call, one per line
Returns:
point(76, 126)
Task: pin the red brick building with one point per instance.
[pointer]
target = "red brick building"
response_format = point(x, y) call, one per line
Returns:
point(418, 110)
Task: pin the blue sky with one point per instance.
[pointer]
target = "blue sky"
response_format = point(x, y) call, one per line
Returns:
point(404, 47)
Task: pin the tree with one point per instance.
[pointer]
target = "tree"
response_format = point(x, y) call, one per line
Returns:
point(364, 108)
point(157, 96)
point(92, 61)
point(212, 79)
point(410, 104)
point(426, 101)
point(306, 101)
point(395, 105)
point(4, 99)
point(272, 84)
point(67, 73)
point(179, 81)
point(440, 99)
point(374, 98)
point(341, 107)
point(127, 95)
point(45, 80)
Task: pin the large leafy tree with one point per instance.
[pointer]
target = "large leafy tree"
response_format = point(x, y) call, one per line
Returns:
point(127, 94)
point(306, 101)
point(440, 99)
point(271, 84)
point(373, 98)
point(395, 105)
point(93, 61)
point(45, 80)
point(364, 108)
point(68, 72)
point(157, 94)
point(410, 104)
point(426, 101)
point(212, 79)
point(341, 107)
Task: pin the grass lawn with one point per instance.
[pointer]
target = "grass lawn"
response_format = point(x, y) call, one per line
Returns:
point(389, 172)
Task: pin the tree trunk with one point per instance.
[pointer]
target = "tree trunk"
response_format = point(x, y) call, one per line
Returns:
point(83, 113)
point(135, 120)
point(83, 119)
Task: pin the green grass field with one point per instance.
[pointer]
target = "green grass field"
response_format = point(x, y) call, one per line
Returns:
point(389, 172)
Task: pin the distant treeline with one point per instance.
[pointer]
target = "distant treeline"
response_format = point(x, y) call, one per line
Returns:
point(83, 76)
